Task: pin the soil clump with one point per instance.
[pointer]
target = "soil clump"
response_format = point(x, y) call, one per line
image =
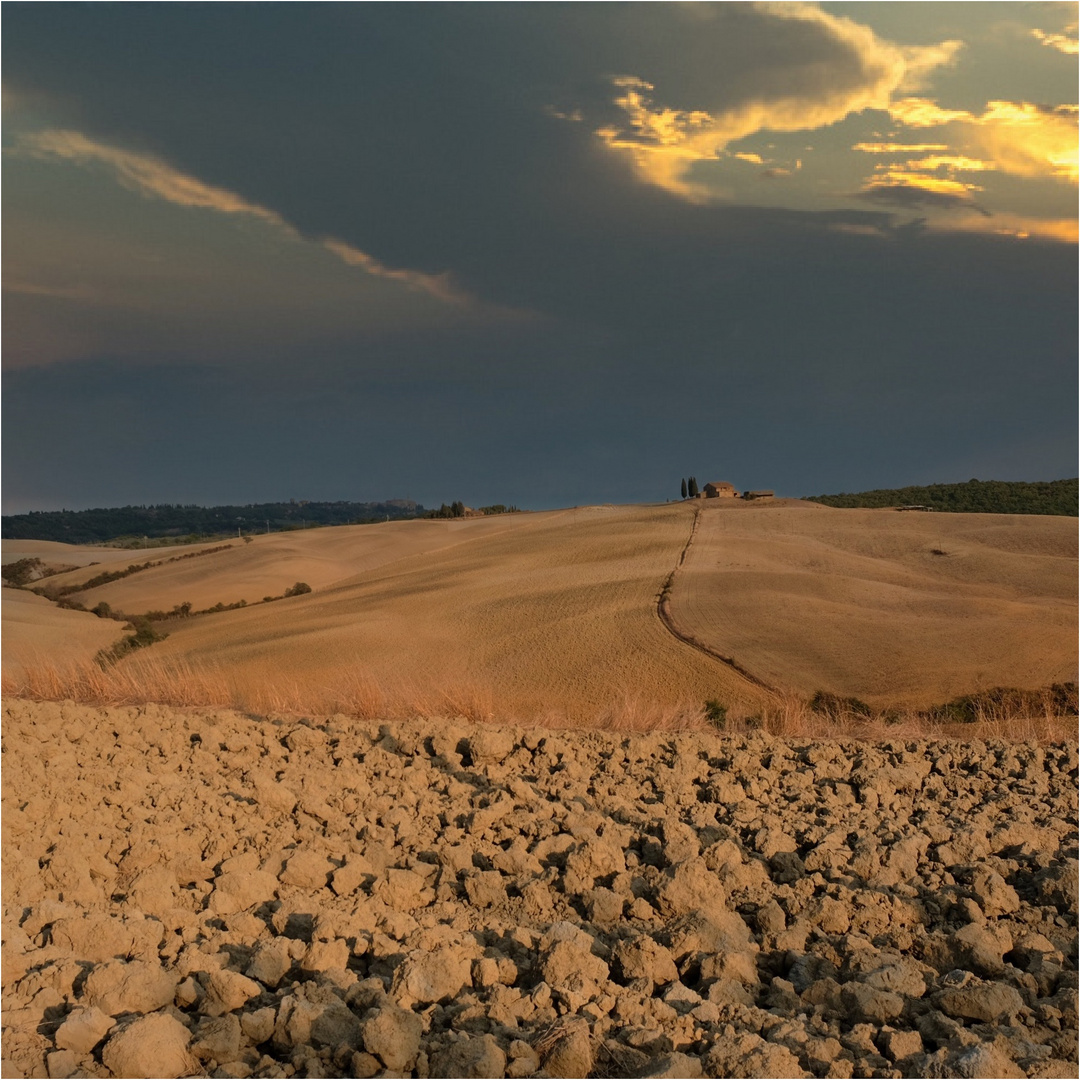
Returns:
point(200, 892)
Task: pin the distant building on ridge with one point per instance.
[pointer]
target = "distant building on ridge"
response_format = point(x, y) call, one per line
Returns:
point(719, 489)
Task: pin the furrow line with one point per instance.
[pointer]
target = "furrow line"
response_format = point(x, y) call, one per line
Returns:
point(663, 610)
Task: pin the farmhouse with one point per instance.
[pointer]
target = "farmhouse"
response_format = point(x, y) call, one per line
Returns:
point(719, 489)
point(749, 495)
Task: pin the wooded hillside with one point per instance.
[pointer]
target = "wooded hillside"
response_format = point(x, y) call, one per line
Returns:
point(1057, 497)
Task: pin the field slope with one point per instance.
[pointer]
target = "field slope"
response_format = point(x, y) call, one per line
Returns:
point(892, 608)
point(556, 613)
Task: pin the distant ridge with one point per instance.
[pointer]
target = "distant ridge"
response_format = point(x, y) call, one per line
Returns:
point(167, 521)
point(1056, 497)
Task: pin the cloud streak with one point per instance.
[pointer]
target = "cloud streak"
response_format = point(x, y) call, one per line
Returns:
point(146, 174)
point(1066, 43)
point(53, 292)
point(152, 177)
point(911, 190)
point(437, 285)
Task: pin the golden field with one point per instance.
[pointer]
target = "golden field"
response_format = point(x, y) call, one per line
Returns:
point(554, 615)
point(898, 609)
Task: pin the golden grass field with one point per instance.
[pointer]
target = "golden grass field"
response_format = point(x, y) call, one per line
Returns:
point(77, 556)
point(36, 632)
point(553, 615)
point(906, 609)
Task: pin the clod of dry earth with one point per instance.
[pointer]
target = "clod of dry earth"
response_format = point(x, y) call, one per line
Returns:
point(204, 893)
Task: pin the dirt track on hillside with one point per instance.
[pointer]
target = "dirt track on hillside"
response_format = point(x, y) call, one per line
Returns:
point(205, 893)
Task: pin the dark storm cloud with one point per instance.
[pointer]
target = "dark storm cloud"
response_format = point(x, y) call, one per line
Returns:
point(800, 351)
point(932, 365)
point(422, 133)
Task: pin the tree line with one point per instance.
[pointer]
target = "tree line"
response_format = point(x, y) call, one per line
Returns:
point(178, 523)
point(1057, 497)
point(129, 526)
point(458, 509)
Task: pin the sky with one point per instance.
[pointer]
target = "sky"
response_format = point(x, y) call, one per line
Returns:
point(540, 254)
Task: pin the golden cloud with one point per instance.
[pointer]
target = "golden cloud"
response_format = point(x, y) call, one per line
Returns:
point(931, 163)
point(952, 162)
point(1066, 42)
point(152, 177)
point(922, 113)
point(1012, 137)
point(898, 148)
point(1018, 226)
point(664, 143)
point(1025, 140)
point(958, 212)
point(939, 185)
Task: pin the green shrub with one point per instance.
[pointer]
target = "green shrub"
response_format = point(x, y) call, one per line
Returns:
point(22, 572)
point(835, 706)
point(144, 635)
point(1005, 702)
point(716, 713)
point(298, 589)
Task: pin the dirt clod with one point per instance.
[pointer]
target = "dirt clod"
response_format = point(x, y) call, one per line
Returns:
point(431, 901)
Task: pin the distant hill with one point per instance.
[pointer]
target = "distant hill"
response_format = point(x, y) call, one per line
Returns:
point(1057, 497)
point(177, 522)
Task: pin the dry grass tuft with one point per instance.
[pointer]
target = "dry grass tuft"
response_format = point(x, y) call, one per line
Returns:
point(147, 679)
point(1032, 721)
point(472, 700)
point(169, 682)
point(631, 713)
point(357, 694)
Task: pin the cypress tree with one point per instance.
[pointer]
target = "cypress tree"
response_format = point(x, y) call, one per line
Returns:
point(692, 488)
point(684, 488)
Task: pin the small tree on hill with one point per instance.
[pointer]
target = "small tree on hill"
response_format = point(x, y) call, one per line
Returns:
point(684, 488)
point(692, 488)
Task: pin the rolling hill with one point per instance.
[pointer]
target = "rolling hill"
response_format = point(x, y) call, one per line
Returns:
point(556, 613)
